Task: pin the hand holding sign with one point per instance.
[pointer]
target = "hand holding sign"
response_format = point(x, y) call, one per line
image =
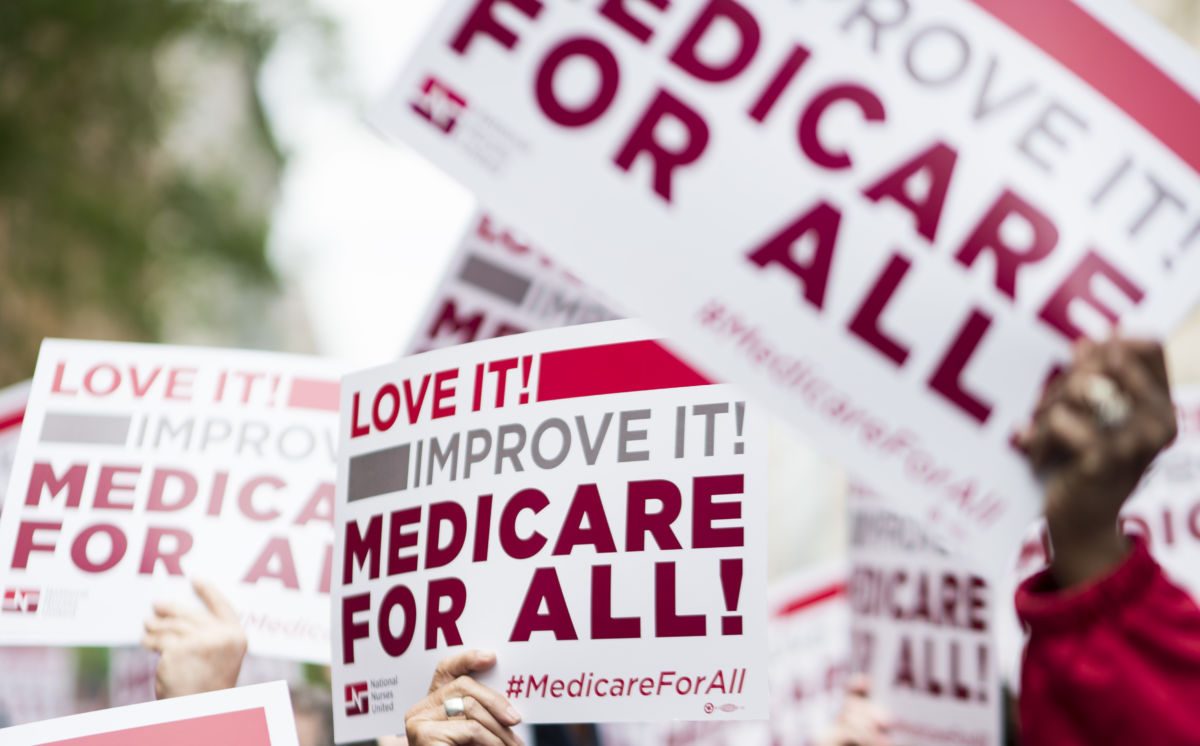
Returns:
point(201, 651)
point(1096, 442)
point(487, 717)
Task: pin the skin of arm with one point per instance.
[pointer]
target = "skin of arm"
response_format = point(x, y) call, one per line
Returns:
point(1090, 465)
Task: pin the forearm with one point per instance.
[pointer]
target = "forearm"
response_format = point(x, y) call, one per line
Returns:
point(1083, 556)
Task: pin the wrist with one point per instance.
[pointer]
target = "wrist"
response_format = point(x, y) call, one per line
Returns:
point(1081, 557)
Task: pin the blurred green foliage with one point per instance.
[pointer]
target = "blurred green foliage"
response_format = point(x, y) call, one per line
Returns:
point(97, 216)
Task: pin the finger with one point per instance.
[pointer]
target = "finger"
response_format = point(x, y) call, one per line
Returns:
point(153, 642)
point(859, 685)
point(479, 713)
point(1083, 349)
point(1072, 430)
point(856, 735)
point(1139, 374)
point(860, 728)
point(1043, 449)
point(457, 732)
point(1033, 440)
point(217, 604)
point(1067, 407)
point(175, 610)
point(1149, 353)
point(495, 703)
point(880, 717)
point(162, 625)
point(1131, 373)
point(452, 666)
point(864, 711)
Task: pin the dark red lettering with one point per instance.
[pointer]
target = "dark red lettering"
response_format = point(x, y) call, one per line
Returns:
point(665, 160)
point(937, 164)
point(481, 20)
point(810, 124)
point(1009, 258)
point(822, 223)
point(606, 67)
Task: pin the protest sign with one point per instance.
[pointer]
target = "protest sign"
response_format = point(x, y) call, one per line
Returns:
point(258, 715)
point(498, 284)
point(139, 465)
point(889, 219)
point(923, 628)
point(577, 500)
point(12, 412)
point(809, 641)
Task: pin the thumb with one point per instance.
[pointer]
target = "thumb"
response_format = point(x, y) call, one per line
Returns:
point(468, 661)
point(217, 604)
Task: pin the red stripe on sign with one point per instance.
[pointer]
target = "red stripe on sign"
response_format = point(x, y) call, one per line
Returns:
point(1109, 64)
point(803, 602)
point(242, 728)
point(612, 369)
point(11, 420)
point(310, 393)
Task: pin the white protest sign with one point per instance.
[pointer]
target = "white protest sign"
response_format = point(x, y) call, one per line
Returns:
point(579, 501)
point(886, 218)
point(923, 628)
point(12, 412)
point(139, 465)
point(498, 284)
point(809, 640)
point(258, 715)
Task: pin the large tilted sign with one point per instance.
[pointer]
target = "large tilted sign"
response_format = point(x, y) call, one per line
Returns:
point(259, 715)
point(498, 284)
point(140, 465)
point(577, 500)
point(886, 217)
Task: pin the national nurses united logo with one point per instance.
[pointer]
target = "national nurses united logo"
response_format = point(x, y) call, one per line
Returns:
point(357, 701)
point(440, 105)
point(21, 600)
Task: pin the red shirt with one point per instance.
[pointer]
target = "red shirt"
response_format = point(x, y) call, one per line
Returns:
point(1115, 662)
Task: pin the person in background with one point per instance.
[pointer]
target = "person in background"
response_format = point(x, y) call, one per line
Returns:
point(1113, 649)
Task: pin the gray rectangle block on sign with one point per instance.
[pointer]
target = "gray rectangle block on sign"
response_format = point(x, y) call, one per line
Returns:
point(99, 429)
point(495, 279)
point(378, 472)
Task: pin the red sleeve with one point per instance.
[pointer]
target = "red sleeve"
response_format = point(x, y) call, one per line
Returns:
point(1115, 662)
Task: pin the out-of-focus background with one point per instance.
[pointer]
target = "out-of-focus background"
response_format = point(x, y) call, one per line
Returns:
point(200, 172)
